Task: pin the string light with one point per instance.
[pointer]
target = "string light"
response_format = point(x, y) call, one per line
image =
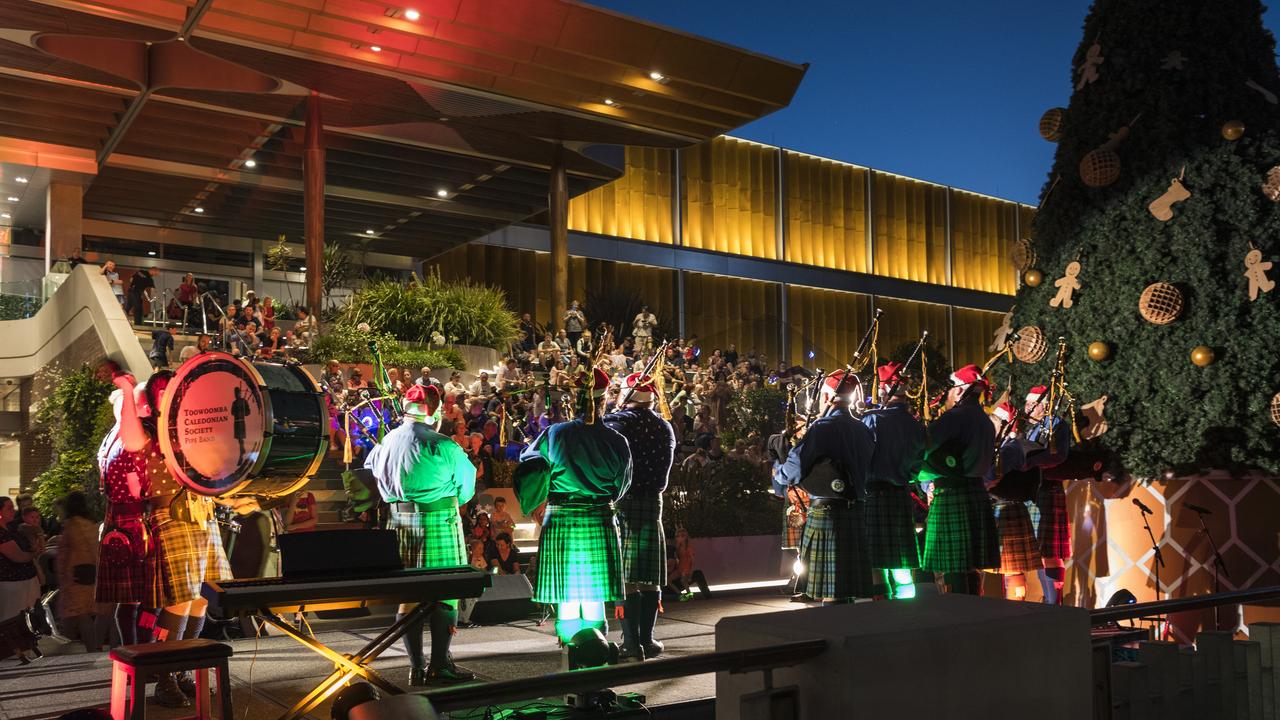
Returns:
point(411, 14)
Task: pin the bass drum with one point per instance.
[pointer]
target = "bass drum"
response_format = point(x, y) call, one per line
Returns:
point(229, 427)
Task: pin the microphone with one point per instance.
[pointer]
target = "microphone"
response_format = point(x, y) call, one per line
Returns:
point(1197, 508)
point(1145, 510)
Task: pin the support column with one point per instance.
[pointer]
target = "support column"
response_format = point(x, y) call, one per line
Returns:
point(313, 203)
point(558, 219)
point(64, 217)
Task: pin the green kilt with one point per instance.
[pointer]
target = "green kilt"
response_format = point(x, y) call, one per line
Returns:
point(834, 552)
point(431, 539)
point(960, 535)
point(1054, 529)
point(579, 555)
point(891, 528)
point(644, 545)
point(122, 561)
point(185, 555)
point(1019, 551)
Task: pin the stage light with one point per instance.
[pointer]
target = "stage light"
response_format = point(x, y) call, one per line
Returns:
point(20, 179)
point(1122, 597)
point(588, 648)
point(442, 193)
point(376, 48)
point(14, 198)
point(797, 567)
point(5, 216)
point(302, 269)
point(199, 210)
point(251, 163)
point(657, 76)
point(369, 231)
point(812, 354)
point(411, 14)
point(152, 253)
point(608, 101)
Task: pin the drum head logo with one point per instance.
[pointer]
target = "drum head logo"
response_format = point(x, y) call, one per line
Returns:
point(214, 423)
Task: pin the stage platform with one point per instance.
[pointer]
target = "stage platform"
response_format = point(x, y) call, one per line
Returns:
point(269, 674)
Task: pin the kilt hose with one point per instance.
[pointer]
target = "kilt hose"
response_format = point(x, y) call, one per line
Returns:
point(834, 551)
point(1019, 550)
point(960, 535)
point(644, 544)
point(122, 560)
point(579, 555)
point(1054, 529)
point(185, 555)
point(891, 528)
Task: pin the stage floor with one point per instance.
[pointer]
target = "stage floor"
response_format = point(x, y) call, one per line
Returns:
point(269, 674)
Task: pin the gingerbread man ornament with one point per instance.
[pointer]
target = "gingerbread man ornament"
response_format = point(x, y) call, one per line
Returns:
point(1066, 285)
point(1256, 271)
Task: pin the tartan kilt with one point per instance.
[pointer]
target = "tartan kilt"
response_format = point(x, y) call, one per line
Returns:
point(185, 555)
point(579, 555)
point(891, 529)
point(1054, 530)
point(122, 561)
point(1019, 550)
point(834, 552)
point(960, 535)
point(644, 545)
point(431, 539)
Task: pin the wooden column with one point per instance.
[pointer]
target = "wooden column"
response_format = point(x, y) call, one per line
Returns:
point(313, 203)
point(64, 218)
point(558, 219)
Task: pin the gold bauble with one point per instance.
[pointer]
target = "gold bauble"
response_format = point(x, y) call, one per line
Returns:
point(1099, 351)
point(1202, 355)
point(1031, 346)
point(1033, 277)
point(1021, 255)
point(1275, 409)
point(1100, 167)
point(1051, 124)
point(1233, 129)
point(1160, 304)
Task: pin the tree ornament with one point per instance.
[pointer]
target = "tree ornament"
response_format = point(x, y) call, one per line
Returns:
point(1051, 124)
point(1095, 422)
point(1066, 285)
point(1002, 333)
point(1160, 304)
point(1256, 271)
point(1265, 93)
point(1021, 255)
point(1101, 166)
point(1275, 409)
point(1271, 188)
point(1031, 345)
point(1202, 356)
point(1099, 351)
point(1162, 207)
point(1233, 129)
point(1088, 70)
point(1173, 61)
point(1033, 277)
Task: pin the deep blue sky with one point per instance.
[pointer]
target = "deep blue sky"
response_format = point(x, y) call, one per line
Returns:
point(944, 91)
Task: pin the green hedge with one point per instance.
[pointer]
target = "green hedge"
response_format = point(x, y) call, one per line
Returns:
point(730, 498)
point(73, 418)
point(347, 344)
point(458, 312)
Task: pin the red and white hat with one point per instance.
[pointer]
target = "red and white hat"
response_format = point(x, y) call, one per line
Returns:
point(831, 385)
point(422, 401)
point(640, 388)
point(1004, 411)
point(967, 375)
point(887, 373)
point(1037, 393)
point(598, 382)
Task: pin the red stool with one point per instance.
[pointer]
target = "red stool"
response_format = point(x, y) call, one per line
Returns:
point(131, 665)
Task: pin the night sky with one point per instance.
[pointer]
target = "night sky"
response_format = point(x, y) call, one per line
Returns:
point(942, 91)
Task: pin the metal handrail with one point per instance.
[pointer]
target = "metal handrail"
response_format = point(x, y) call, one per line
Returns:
point(734, 661)
point(1102, 616)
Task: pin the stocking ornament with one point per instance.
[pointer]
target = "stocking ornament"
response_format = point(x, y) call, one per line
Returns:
point(1162, 207)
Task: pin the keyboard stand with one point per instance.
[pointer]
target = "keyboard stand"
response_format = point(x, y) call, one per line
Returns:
point(346, 667)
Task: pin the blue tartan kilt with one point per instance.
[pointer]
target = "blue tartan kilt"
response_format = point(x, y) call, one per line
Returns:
point(891, 528)
point(644, 545)
point(834, 552)
point(579, 555)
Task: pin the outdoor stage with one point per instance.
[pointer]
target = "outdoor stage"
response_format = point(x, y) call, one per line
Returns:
point(270, 674)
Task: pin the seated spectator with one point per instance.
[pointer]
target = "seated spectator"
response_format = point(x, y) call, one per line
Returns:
point(393, 378)
point(274, 344)
point(455, 387)
point(481, 528)
point(305, 327)
point(503, 556)
point(548, 351)
point(682, 571)
point(502, 520)
point(481, 388)
point(509, 379)
point(267, 314)
point(302, 514)
point(696, 461)
point(356, 380)
point(585, 347)
point(425, 378)
point(565, 345)
point(476, 557)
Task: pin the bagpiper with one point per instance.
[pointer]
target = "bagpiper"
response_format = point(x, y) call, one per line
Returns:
point(1049, 439)
point(426, 476)
point(1012, 487)
point(644, 548)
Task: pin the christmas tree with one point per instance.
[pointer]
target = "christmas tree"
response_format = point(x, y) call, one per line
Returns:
point(1161, 175)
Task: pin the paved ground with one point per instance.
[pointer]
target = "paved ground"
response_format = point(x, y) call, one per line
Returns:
point(269, 674)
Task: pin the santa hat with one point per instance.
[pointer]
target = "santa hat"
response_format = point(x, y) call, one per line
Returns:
point(888, 375)
point(1037, 393)
point(640, 388)
point(597, 382)
point(1004, 411)
point(422, 401)
point(967, 375)
point(831, 385)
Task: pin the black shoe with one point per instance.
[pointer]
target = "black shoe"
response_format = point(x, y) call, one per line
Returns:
point(187, 684)
point(652, 648)
point(449, 674)
point(801, 598)
point(631, 653)
point(168, 694)
point(417, 677)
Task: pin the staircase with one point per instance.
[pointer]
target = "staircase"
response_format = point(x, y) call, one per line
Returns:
point(326, 485)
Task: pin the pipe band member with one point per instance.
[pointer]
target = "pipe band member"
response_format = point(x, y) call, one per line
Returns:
point(960, 535)
point(1049, 439)
point(1012, 488)
point(569, 480)
point(122, 550)
point(644, 546)
point(186, 546)
point(426, 476)
point(830, 463)
point(892, 544)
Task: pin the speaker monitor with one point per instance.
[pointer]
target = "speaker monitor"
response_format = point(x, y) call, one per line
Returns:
point(510, 597)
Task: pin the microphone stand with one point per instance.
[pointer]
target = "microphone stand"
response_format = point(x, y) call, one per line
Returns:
point(1218, 564)
point(1155, 547)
